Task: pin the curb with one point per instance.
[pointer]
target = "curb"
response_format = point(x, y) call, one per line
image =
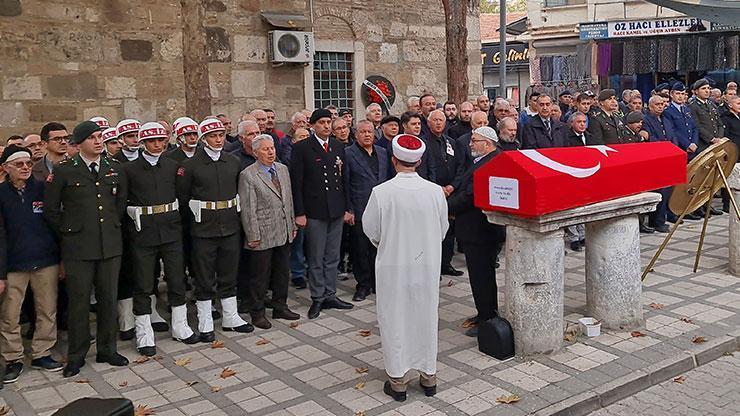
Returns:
point(625, 386)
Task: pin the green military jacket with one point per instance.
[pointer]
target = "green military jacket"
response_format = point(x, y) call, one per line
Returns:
point(605, 129)
point(707, 121)
point(85, 209)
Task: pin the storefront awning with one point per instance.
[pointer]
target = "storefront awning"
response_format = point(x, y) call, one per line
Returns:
point(724, 12)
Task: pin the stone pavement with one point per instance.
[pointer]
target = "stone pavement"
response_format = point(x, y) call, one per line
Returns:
point(326, 367)
point(713, 389)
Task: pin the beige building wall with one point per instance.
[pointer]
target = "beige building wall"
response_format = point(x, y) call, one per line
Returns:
point(74, 59)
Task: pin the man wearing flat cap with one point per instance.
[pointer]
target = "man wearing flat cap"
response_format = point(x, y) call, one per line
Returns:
point(406, 219)
point(321, 206)
point(604, 124)
point(84, 206)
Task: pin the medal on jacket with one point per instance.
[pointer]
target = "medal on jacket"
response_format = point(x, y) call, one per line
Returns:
point(339, 164)
point(114, 190)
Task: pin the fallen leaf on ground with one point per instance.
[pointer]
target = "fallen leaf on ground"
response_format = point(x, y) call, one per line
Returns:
point(262, 341)
point(215, 389)
point(4, 411)
point(360, 413)
point(191, 383)
point(698, 340)
point(637, 334)
point(728, 354)
point(657, 305)
point(469, 323)
point(679, 379)
point(124, 383)
point(227, 372)
point(364, 333)
point(450, 283)
point(182, 362)
point(359, 385)
point(293, 325)
point(512, 398)
point(361, 370)
point(142, 359)
point(218, 344)
point(570, 337)
point(82, 381)
point(687, 320)
point(143, 410)
point(157, 358)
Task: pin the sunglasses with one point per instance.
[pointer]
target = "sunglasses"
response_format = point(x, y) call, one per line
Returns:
point(20, 164)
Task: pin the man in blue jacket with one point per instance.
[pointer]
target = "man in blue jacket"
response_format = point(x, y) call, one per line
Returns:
point(685, 134)
point(32, 259)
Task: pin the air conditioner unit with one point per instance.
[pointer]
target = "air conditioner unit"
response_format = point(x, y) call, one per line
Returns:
point(290, 46)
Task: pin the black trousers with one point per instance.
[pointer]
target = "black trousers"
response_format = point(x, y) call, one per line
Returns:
point(269, 269)
point(481, 262)
point(346, 247)
point(243, 277)
point(216, 264)
point(448, 246)
point(146, 262)
point(82, 276)
point(363, 258)
point(126, 272)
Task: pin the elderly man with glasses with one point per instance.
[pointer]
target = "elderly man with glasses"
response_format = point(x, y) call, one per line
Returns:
point(56, 138)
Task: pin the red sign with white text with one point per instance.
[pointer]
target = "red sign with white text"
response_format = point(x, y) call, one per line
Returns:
point(531, 183)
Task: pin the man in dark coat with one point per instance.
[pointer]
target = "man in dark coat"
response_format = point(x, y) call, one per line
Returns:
point(463, 126)
point(604, 123)
point(321, 206)
point(542, 131)
point(481, 239)
point(678, 115)
point(577, 134)
point(711, 129)
point(366, 167)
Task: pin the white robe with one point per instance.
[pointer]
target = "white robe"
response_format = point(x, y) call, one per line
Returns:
point(406, 218)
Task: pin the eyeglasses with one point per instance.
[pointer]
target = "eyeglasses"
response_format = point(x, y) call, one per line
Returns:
point(60, 139)
point(20, 164)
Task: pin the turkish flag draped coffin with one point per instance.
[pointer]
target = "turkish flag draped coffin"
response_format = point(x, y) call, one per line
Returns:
point(531, 183)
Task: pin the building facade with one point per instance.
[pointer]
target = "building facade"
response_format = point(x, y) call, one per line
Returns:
point(68, 61)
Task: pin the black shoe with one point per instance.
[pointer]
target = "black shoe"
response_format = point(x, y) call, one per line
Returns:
point(399, 396)
point(193, 339)
point(336, 303)
point(285, 314)
point(207, 336)
point(314, 310)
point(726, 209)
point(576, 246)
point(300, 284)
point(13, 372)
point(160, 326)
point(46, 363)
point(127, 335)
point(73, 368)
point(148, 351)
point(361, 294)
point(451, 271)
point(429, 391)
point(215, 314)
point(673, 220)
point(472, 332)
point(260, 321)
point(715, 211)
point(243, 329)
point(662, 228)
point(646, 229)
point(116, 360)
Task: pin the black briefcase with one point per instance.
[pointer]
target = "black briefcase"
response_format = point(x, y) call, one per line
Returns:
point(97, 407)
point(496, 338)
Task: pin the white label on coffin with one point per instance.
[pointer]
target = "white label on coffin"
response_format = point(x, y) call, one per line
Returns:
point(503, 192)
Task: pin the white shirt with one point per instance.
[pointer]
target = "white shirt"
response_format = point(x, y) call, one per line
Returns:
point(131, 155)
point(188, 154)
point(153, 160)
point(322, 142)
point(213, 154)
point(88, 162)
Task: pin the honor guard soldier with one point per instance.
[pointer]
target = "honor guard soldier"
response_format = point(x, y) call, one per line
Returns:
point(101, 121)
point(111, 142)
point(604, 124)
point(154, 232)
point(84, 206)
point(128, 133)
point(207, 188)
point(186, 134)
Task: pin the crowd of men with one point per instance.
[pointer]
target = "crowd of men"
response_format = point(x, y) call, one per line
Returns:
point(103, 212)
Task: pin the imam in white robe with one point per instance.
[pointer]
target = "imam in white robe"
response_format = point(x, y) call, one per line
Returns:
point(406, 218)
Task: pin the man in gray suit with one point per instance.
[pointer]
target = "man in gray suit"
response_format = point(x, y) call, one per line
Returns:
point(267, 216)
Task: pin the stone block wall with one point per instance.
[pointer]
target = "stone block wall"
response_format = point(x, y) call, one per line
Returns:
point(71, 60)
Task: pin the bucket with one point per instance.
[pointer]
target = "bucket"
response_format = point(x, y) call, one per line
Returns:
point(590, 326)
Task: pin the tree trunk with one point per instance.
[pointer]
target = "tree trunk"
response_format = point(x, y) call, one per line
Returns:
point(456, 34)
point(195, 60)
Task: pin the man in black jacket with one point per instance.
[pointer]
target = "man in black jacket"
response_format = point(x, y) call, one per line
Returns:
point(321, 206)
point(481, 239)
point(542, 131)
point(462, 127)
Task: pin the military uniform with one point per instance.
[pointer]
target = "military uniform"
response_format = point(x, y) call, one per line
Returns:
point(606, 129)
point(707, 121)
point(85, 208)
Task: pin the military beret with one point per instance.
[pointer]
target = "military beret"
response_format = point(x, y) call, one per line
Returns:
point(565, 92)
point(319, 114)
point(607, 94)
point(633, 117)
point(13, 152)
point(390, 119)
point(700, 83)
point(344, 112)
point(662, 86)
point(83, 130)
point(678, 86)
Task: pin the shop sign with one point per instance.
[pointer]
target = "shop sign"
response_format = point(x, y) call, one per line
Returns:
point(637, 28)
point(517, 55)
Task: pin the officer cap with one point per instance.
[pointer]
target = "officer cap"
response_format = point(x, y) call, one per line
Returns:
point(83, 130)
point(319, 114)
point(678, 86)
point(700, 83)
point(390, 119)
point(662, 86)
point(633, 117)
point(607, 94)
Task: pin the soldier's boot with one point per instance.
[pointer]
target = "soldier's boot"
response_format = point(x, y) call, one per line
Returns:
point(145, 336)
point(126, 320)
point(205, 321)
point(231, 321)
point(158, 323)
point(180, 329)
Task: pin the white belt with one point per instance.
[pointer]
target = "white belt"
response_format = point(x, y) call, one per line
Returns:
point(136, 212)
point(196, 206)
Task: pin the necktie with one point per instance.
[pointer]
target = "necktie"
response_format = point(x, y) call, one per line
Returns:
point(275, 180)
point(326, 146)
point(547, 126)
point(583, 139)
point(94, 168)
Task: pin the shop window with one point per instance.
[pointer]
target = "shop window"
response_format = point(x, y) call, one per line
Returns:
point(332, 80)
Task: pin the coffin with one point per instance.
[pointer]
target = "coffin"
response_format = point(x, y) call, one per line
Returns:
point(530, 183)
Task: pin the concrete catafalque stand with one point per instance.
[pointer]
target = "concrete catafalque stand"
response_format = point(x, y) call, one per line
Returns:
point(734, 243)
point(535, 271)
